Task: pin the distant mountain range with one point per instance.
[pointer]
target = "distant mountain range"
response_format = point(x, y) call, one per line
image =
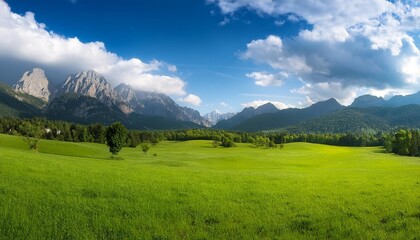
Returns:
point(247, 113)
point(268, 117)
point(396, 101)
point(366, 113)
point(87, 97)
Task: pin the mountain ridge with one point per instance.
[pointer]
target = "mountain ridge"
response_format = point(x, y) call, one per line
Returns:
point(92, 84)
point(282, 118)
point(368, 100)
point(87, 97)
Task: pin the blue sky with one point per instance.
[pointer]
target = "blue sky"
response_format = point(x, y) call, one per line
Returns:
point(221, 54)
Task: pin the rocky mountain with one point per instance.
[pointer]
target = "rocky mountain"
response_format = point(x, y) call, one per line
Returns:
point(91, 84)
point(287, 117)
point(366, 101)
point(83, 109)
point(216, 116)
point(127, 94)
point(34, 83)
point(244, 115)
point(87, 110)
point(157, 104)
point(86, 96)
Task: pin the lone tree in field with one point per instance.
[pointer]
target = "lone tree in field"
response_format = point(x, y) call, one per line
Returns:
point(145, 147)
point(115, 137)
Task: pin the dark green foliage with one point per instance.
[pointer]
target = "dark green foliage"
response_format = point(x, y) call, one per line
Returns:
point(64, 131)
point(227, 142)
point(132, 139)
point(97, 132)
point(262, 141)
point(10, 105)
point(115, 137)
point(145, 147)
point(405, 142)
point(33, 143)
point(346, 120)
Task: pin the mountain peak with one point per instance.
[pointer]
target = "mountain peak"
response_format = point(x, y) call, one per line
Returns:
point(34, 83)
point(368, 101)
point(330, 103)
point(267, 108)
point(89, 83)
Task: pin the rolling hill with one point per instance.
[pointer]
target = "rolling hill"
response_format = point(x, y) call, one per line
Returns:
point(362, 119)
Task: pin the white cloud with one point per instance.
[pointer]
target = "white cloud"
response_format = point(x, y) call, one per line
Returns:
point(223, 104)
point(257, 103)
point(293, 18)
point(266, 79)
point(191, 99)
point(350, 48)
point(279, 22)
point(340, 14)
point(224, 21)
point(316, 92)
point(272, 52)
point(172, 68)
point(24, 40)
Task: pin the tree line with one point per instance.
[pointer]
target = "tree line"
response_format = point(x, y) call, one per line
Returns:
point(403, 142)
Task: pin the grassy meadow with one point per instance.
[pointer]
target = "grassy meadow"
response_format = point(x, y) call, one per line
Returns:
point(191, 190)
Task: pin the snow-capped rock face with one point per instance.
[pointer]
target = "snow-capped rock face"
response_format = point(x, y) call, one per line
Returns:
point(34, 83)
point(216, 116)
point(89, 83)
point(157, 104)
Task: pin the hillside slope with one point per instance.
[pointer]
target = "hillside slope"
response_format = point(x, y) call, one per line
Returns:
point(287, 117)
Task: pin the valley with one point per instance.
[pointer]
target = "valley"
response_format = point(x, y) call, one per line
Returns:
point(210, 119)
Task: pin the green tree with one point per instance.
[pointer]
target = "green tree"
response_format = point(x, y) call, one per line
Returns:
point(227, 142)
point(145, 147)
point(115, 137)
point(401, 144)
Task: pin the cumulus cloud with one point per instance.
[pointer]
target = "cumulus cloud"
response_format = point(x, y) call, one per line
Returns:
point(316, 92)
point(257, 103)
point(191, 99)
point(266, 79)
point(26, 42)
point(351, 62)
point(349, 48)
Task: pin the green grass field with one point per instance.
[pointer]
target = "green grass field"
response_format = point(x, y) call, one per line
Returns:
point(193, 191)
